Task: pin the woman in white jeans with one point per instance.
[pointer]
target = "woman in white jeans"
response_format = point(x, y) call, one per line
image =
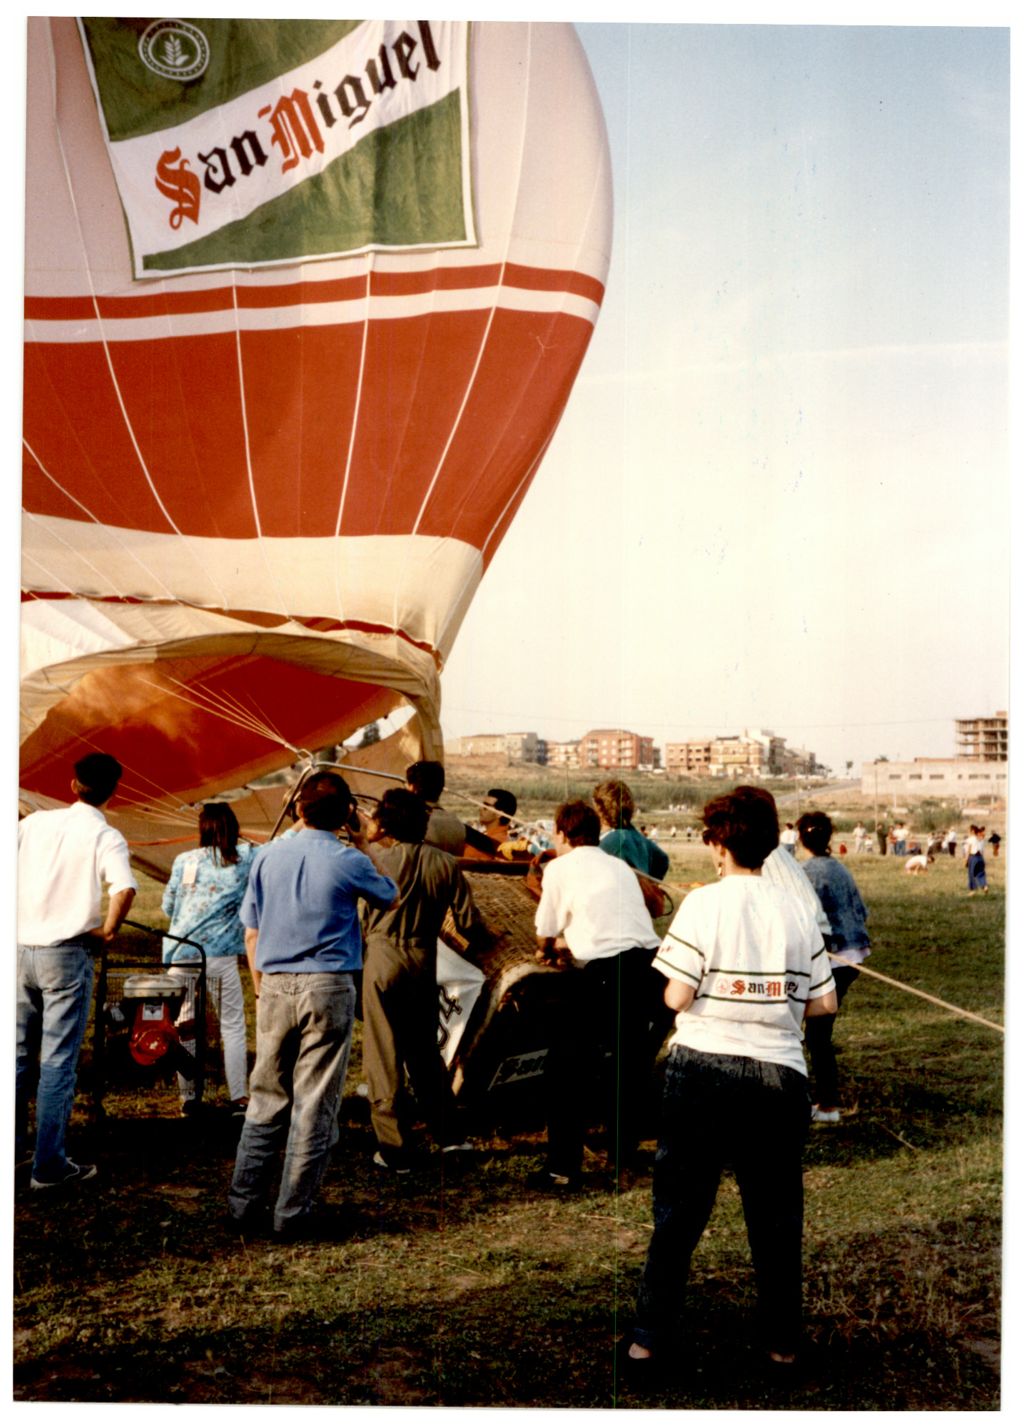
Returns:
point(202, 900)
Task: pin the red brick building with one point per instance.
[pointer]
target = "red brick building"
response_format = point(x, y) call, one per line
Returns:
point(617, 749)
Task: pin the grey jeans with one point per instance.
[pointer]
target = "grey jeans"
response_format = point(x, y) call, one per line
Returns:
point(303, 1036)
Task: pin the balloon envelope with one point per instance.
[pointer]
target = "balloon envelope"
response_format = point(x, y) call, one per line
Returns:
point(265, 468)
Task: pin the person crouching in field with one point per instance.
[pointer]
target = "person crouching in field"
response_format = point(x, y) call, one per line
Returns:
point(847, 915)
point(400, 999)
point(745, 964)
point(592, 922)
point(918, 863)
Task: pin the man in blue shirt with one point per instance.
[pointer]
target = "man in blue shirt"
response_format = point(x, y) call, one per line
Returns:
point(303, 942)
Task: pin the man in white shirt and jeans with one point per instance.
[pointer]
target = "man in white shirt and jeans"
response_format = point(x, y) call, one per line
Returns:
point(65, 855)
point(592, 918)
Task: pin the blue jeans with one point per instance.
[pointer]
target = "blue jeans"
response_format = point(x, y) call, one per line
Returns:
point(303, 1036)
point(54, 987)
point(753, 1116)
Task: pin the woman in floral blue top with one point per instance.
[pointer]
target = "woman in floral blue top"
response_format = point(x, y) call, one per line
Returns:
point(202, 900)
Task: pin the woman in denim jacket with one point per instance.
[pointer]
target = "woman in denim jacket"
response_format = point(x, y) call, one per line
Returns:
point(845, 910)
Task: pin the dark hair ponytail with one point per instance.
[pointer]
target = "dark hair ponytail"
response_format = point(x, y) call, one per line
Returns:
point(218, 829)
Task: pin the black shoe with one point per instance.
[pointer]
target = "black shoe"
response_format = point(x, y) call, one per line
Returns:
point(256, 1223)
point(317, 1227)
point(552, 1182)
point(74, 1175)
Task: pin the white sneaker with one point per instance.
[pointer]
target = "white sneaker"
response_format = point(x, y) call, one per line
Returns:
point(75, 1175)
point(465, 1145)
point(392, 1163)
point(824, 1118)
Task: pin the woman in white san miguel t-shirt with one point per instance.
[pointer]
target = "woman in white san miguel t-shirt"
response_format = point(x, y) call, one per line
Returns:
point(745, 963)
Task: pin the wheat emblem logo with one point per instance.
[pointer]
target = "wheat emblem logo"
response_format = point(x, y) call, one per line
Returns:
point(174, 49)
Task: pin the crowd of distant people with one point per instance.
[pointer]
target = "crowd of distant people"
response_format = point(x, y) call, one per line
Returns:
point(753, 967)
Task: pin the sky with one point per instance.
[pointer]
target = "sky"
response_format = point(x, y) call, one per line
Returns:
point(778, 495)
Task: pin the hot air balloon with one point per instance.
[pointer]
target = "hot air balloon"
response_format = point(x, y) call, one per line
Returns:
point(305, 301)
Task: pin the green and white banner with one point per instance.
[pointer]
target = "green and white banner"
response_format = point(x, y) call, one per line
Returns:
point(254, 142)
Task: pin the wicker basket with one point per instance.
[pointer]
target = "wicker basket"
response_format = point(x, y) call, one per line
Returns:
point(506, 1040)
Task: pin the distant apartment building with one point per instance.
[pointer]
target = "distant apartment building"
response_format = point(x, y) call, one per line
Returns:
point(563, 755)
point(773, 746)
point(985, 740)
point(756, 753)
point(489, 744)
point(736, 757)
point(617, 749)
point(693, 756)
point(961, 780)
point(798, 763)
point(517, 748)
point(744, 755)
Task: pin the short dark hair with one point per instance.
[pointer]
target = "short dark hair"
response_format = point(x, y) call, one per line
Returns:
point(325, 802)
point(96, 777)
point(426, 778)
point(218, 828)
point(815, 831)
point(579, 823)
point(746, 822)
point(402, 815)
point(614, 802)
point(503, 800)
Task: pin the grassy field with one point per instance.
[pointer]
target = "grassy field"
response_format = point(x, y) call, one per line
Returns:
point(461, 1287)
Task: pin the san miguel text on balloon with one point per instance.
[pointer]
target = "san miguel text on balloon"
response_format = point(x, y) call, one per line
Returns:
point(291, 124)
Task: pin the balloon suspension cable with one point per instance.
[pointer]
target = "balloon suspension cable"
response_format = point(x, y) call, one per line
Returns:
point(224, 706)
point(914, 991)
point(174, 811)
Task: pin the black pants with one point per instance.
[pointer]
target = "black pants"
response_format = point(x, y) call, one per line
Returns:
point(613, 1005)
point(752, 1116)
point(818, 1040)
